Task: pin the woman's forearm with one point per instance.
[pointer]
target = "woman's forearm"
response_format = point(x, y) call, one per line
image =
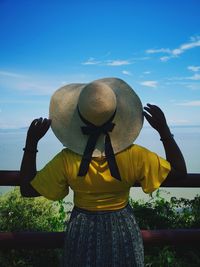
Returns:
point(28, 170)
point(173, 153)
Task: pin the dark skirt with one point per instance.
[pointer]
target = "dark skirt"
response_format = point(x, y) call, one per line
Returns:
point(103, 239)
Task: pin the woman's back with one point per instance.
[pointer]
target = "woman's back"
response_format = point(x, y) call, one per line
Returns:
point(98, 190)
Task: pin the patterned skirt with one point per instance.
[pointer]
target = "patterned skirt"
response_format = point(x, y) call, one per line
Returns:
point(103, 239)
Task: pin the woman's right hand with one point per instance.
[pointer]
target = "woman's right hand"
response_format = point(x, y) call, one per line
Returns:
point(156, 118)
point(37, 130)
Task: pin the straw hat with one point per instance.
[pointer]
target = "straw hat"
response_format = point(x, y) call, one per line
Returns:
point(97, 102)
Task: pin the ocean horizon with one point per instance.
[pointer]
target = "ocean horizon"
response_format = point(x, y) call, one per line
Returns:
point(187, 137)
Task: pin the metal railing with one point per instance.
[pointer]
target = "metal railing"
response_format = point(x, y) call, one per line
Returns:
point(28, 240)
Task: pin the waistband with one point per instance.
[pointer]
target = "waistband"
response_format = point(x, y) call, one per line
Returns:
point(91, 212)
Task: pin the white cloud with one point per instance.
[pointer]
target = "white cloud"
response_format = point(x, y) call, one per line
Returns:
point(125, 72)
point(172, 53)
point(11, 74)
point(161, 50)
point(42, 86)
point(140, 58)
point(35, 84)
point(195, 103)
point(152, 84)
point(117, 62)
point(23, 102)
point(195, 42)
point(165, 58)
point(194, 86)
point(195, 77)
point(91, 61)
point(194, 68)
point(147, 72)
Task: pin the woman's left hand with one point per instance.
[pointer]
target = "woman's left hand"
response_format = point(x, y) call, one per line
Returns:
point(37, 130)
point(156, 118)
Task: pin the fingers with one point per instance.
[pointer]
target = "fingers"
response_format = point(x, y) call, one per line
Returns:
point(38, 128)
point(46, 124)
point(155, 112)
point(41, 121)
point(34, 122)
point(153, 109)
point(147, 116)
point(155, 116)
point(44, 121)
point(40, 124)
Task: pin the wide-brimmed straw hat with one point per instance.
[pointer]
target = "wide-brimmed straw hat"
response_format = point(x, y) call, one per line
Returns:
point(108, 99)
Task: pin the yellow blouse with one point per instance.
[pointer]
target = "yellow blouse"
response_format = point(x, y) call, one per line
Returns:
point(98, 190)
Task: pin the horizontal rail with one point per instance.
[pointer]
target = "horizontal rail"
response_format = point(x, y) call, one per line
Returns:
point(12, 178)
point(31, 240)
point(173, 237)
point(8, 178)
point(53, 240)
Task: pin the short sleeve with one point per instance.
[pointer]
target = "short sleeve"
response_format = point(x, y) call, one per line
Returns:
point(153, 170)
point(51, 181)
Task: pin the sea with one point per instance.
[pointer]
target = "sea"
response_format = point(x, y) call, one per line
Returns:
point(187, 137)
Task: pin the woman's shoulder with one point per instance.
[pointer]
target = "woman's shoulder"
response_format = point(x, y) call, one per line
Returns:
point(66, 152)
point(134, 148)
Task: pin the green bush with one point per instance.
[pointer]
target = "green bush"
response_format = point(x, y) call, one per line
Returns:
point(159, 213)
point(30, 214)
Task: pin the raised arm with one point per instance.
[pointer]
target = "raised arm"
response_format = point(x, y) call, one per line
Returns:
point(36, 131)
point(157, 120)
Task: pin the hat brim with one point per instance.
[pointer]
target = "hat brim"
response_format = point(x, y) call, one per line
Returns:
point(66, 123)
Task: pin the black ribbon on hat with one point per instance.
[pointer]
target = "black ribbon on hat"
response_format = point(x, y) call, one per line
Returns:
point(94, 132)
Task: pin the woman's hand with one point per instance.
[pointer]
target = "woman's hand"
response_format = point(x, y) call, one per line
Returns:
point(156, 119)
point(37, 130)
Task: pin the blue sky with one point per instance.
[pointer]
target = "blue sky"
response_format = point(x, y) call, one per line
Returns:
point(152, 45)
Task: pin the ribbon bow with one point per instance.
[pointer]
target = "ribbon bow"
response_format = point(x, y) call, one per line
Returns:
point(94, 132)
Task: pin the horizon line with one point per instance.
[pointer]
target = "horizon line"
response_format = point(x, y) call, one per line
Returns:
point(144, 126)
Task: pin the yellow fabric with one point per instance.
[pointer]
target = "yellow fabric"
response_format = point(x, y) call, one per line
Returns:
point(98, 190)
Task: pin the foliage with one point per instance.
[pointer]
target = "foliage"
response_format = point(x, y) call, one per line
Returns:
point(30, 214)
point(38, 214)
point(172, 257)
point(159, 213)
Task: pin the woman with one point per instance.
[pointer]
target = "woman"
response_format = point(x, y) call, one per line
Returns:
point(98, 123)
